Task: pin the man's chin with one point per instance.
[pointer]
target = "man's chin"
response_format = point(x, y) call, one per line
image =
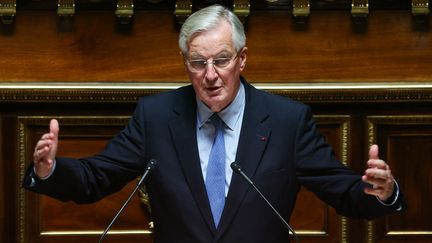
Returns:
point(215, 103)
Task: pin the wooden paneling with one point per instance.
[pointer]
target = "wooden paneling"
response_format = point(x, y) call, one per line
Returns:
point(10, 173)
point(313, 220)
point(95, 49)
point(330, 50)
point(349, 119)
point(367, 84)
point(406, 146)
point(43, 219)
point(49, 220)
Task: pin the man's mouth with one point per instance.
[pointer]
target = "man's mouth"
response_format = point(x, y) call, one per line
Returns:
point(213, 88)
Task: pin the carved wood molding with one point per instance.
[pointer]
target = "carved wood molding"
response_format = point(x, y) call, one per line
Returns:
point(125, 9)
point(130, 92)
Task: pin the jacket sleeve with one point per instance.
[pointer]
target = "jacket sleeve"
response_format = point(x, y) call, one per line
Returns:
point(320, 172)
point(89, 179)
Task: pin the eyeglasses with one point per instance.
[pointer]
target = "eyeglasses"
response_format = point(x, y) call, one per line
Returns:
point(199, 65)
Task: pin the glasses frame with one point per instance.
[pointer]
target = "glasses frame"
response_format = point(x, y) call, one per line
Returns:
point(213, 62)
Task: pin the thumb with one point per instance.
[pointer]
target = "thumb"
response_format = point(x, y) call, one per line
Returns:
point(54, 127)
point(373, 152)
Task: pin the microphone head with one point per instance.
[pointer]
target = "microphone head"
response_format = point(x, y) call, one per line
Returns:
point(235, 167)
point(152, 164)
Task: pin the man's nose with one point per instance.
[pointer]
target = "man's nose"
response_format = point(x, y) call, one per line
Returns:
point(211, 73)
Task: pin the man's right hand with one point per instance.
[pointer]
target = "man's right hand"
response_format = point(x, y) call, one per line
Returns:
point(45, 151)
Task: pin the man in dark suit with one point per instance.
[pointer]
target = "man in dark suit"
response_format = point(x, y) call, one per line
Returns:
point(194, 195)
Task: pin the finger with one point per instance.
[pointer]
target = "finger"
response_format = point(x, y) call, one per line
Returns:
point(47, 136)
point(375, 192)
point(41, 155)
point(377, 163)
point(54, 127)
point(375, 173)
point(383, 191)
point(42, 143)
point(378, 182)
point(373, 152)
point(42, 146)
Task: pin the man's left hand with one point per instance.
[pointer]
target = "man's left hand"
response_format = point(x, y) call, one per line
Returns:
point(379, 175)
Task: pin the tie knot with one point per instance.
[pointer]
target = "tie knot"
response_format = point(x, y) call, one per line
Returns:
point(216, 121)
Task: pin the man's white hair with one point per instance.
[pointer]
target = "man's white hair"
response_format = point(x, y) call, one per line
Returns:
point(208, 18)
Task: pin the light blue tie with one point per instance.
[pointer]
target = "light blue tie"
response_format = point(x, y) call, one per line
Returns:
point(215, 177)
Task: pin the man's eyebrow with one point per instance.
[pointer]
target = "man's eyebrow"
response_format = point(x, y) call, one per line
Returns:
point(196, 56)
point(221, 54)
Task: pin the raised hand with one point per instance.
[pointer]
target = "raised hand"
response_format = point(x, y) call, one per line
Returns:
point(379, 175)
point(45, 150)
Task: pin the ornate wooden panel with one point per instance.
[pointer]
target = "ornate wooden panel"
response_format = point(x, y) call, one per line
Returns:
point(406, 144)
point(351, 116)
point(313, 220)
point(43, 219)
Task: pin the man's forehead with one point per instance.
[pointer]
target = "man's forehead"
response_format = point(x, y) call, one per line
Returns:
point(211, 47)
point(220, 30)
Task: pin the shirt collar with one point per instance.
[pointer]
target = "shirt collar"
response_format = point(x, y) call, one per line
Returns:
point(230, 115)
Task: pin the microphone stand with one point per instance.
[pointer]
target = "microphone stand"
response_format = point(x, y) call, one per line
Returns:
point(150, 166)
point(236, 168)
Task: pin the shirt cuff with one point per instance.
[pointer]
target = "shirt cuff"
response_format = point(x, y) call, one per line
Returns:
point(49, 175)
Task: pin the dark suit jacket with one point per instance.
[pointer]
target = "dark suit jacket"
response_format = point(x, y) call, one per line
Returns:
point(279, 148)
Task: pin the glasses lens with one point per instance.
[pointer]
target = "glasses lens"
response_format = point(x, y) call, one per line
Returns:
point(221, 62)
point(198, 65)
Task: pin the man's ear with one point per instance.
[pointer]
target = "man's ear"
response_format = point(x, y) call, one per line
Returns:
point(243, 58)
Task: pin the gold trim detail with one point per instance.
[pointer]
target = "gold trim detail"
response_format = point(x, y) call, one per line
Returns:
point(183, 9)
point(360, 8)
point(413, 233)
point(21, 191)
point(96, 232)
point(66, 8)
point(144, 199)
point(420, 7)
point(7, 11)
point(130, 92)
point(242, 9)
point(310, 233)
point(344, 231)
point(370, 231)
point(344, 122)
point(124, 11)
point(301, 8)
point(397, 119)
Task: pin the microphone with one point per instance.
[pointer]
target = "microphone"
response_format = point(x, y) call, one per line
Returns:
point(150, 166)
point(236, 168)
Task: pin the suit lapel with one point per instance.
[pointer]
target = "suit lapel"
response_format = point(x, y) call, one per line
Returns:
point(183, 130)
point(252, 143)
